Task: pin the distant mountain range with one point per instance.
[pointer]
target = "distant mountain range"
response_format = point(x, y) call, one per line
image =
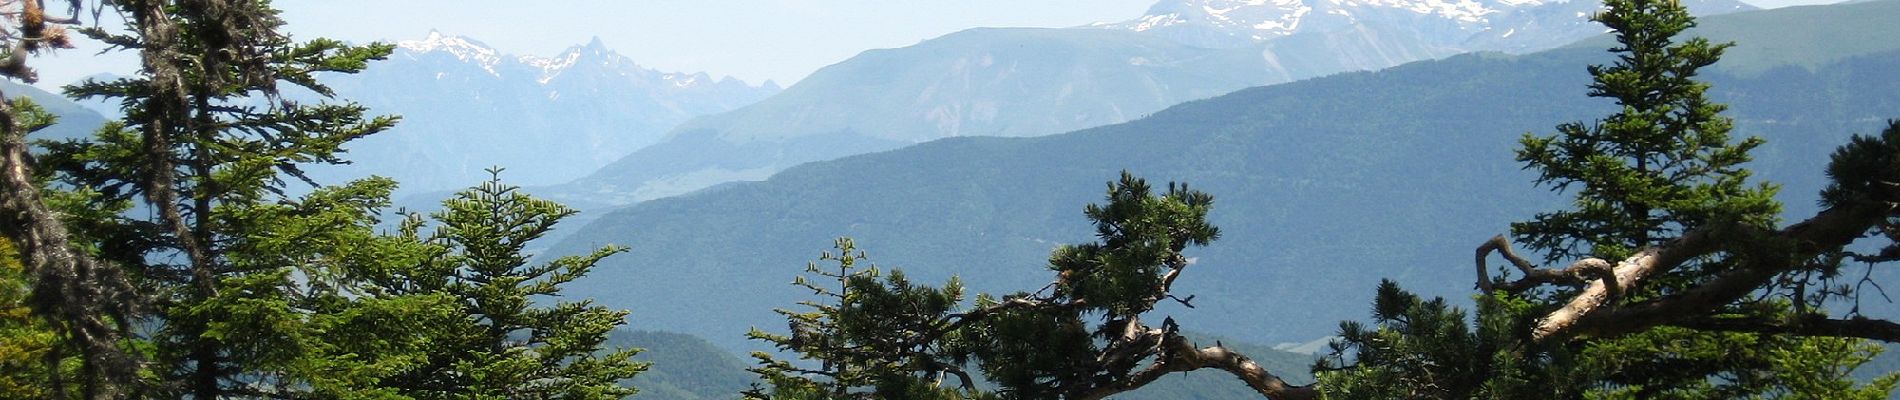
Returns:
point(1322, 186)
point(1029, 82)
point(979, 82)
point(75, 121)
point(1460, 25)
point(468, 107)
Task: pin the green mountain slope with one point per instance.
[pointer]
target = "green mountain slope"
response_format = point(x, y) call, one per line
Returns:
point(75, 121)
point(684, 367)
point(986, 81)
point(1322, 187)
point(1027, 82)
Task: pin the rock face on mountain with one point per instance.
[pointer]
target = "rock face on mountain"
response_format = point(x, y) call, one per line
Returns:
point(1027, 82)
point(547, 120)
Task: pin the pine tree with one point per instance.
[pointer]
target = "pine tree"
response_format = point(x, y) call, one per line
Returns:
point(869, 338)
point(1081, 337)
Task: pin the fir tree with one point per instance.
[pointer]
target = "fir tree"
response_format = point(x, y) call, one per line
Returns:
point(1662, 169)
point(251, 288)
point(238, 288)
point(501, 344)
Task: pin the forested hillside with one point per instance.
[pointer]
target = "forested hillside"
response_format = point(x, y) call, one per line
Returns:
point(1324, 185)
point(1034, 81)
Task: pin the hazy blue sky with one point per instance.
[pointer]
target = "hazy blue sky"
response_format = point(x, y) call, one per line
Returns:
point(754, 40)
point(749, 39)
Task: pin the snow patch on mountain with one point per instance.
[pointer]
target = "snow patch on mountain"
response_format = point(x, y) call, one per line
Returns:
point(1267, 19)
point(550, 67)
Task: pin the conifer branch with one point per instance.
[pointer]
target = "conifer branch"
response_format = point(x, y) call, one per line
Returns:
point(1574, 275)
point(1593, 312)
point(1808, 325)
point(1178, 355)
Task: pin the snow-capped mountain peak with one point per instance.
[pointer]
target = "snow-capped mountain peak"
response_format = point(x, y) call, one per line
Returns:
point(552, 66)
point(586, 105)
point(1225, 23)
point(582, 63)
point(594, 54)
point(463, 48)
point(1456, 23)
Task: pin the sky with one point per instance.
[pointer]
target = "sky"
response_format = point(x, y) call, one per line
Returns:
point(753, 40)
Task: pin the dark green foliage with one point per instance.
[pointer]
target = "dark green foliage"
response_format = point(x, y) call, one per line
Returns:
point(1121, 276)
point(1042, 353)
point(243, 290)
point(1864, 168)
point(1421, 349)
point(1662, 165)
point(252, 292)
point(870, 338)
point(500, 344)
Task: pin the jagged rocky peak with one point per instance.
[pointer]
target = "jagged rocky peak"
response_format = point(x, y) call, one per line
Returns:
point(593, 53)
point(584, 104)
point(594, 56)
